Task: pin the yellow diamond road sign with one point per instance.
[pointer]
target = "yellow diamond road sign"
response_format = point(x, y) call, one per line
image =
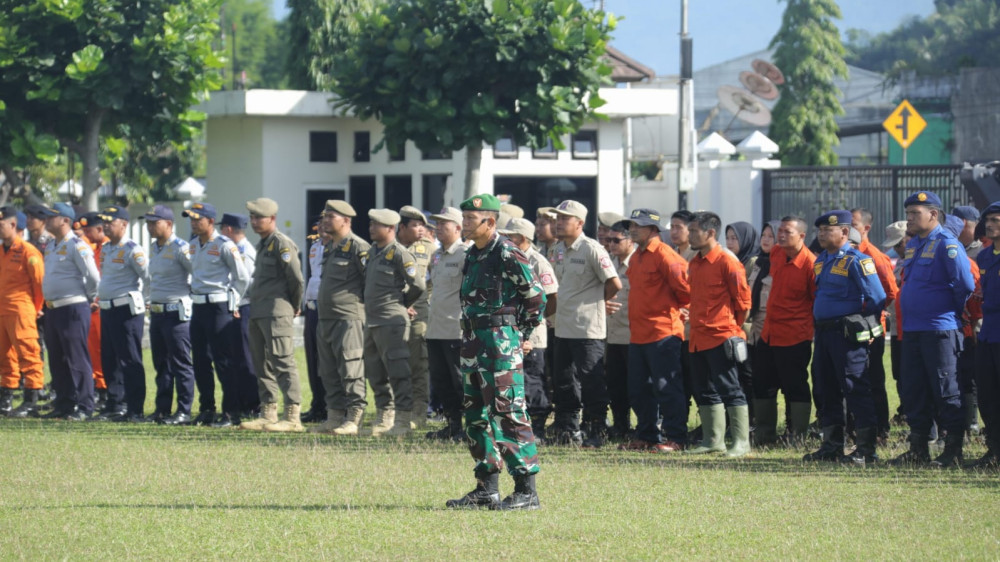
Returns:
point(905, 124)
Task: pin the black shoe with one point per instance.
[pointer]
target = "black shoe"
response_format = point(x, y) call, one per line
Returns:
point(76, 415)
point(113, 415)
point(918, 455)
point(6, 401)
point(989, 461)
point(225, 420)
point(158, 417)
point(58, 413)
point(314, 415)
point(524, 496)
point(102, 400)
point(180, 418)
point(571, 438)
point(450, 432)
point(951, 457)
point(205, 417)
point(832, 448)
point(485, 496)
point(28, 408)
point(595, 436)
point(132, 418)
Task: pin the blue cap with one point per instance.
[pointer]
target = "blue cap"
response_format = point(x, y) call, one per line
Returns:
point(113, 212)
point(91, 219)
point(993, 209)
point(37, 211)
point(966, 212)
point(835, 218)
point(160, 213)
point(644, 217)
point(235, 220)
point(923, 198)
point(22, 221)
point(954, 225)
point(201, 210)
point(59, 210)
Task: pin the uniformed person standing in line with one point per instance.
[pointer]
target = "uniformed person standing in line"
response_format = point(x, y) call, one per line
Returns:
point(70, 290)
point(124, 277)
point(92, 226)
point(621, 248)
point(314, 269)
point(970, 327)
point(502, 304)
point(588, 280)
point(169, 317)
point(936, 283)
point(341, 329)
point(38, 236)
point(218, 280)
point(520, 232)
point(988, 347)
point(412, 233)
point(22, 270)
point(233, 226)
point(275, 300)
point(605, 221)
point(848, 316)
point(444, 332)
point(391, 287)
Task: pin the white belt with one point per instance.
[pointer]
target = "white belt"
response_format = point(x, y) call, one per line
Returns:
point(120, 301)
point(160, 308)
point(58, 303)
point(212, 298)
point(311, 305)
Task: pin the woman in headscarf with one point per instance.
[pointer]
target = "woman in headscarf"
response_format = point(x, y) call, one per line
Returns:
point(742, 240)
point(759, 279)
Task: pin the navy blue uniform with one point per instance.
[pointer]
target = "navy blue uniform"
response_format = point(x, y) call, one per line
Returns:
point(846, 284)
point(988, 348)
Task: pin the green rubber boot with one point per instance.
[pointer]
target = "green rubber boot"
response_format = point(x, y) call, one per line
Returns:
point(739, 428)
point(713, 429)
point(766, 416)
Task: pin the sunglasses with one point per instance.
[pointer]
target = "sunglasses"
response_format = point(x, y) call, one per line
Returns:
point(614, 240)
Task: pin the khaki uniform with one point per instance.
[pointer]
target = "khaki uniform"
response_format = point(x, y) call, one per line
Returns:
point(341, 334)
point(422, 251)
point(391, 286)
point(582, 269)
point(275, 294)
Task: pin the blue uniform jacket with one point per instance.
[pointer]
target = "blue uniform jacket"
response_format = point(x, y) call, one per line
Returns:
point(937, 280)
point(989, 271)
point(846, 283)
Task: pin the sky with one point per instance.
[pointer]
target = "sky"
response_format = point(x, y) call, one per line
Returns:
point(722, 29)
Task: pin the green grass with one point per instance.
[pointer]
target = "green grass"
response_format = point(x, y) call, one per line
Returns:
point(110, 491)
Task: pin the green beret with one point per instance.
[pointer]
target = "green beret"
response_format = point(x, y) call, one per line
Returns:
point(481, 202)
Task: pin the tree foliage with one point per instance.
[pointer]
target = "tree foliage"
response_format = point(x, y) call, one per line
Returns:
point(261, 45)
point(809, 52)
point(453, 75)
point(961, 33)
point(82, 70)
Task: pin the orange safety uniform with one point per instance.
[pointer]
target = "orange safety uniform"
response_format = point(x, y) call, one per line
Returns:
point(720, 299)
point(94, 336)
point(789, 319)
point(658, 282)
point(22, 268)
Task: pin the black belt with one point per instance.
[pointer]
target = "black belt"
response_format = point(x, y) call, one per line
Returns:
point(485, 322)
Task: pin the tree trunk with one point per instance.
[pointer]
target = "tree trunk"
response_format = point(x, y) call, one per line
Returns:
point(7, 188)
point(473, 161)
point(89, 157)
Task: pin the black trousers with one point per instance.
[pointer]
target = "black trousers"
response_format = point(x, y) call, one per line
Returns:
point(579, 382)
point(443, 359)
point(988, 386)
point(309, 330)
point(716, 378)
point(212, 342)
point(170, 342)
point(121, 358)
point(784, 368)
point(876, 374)
point(69, 360)
point(534, 383)
point(616, 366)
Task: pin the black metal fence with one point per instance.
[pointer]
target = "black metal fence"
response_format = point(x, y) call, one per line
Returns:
point(810, 192)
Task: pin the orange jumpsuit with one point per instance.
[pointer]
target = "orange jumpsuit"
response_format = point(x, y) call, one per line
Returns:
point(94, 336)
point(22, 268)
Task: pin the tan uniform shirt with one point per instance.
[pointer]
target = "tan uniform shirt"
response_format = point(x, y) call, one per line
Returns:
point(391, 285)
point(277, 285)
point(585, 267)
point(342, 283)
point(422, 250)
point(618, 327)
point(547, 279)
point(445, 302)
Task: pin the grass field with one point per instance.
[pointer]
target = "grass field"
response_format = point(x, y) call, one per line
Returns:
point(114, 491)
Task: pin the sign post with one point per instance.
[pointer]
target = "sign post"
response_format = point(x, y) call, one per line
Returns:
point(904, 124)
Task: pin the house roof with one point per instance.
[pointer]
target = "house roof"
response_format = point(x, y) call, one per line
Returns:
point(625, 68)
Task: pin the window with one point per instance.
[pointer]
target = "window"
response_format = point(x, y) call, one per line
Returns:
point(398, 191)
point(322, 146)
point(435, 190)
point(396, 150)
point(505, 147)
point(584, 144)
point(436, 155)
point(547, 151)
point(362, 146)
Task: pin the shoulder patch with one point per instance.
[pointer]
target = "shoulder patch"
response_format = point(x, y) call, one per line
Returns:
point(410, 268)
point(140, 258)
point(390, 254)
point(952, 252)
point(605, 263)
point(286, 255)
point(869, 266)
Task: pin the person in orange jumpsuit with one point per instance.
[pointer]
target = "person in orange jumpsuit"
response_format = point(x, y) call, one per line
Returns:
point(93, 234)
point(22, 268)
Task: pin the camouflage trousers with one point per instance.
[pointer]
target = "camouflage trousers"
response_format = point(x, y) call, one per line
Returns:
point(497, 424)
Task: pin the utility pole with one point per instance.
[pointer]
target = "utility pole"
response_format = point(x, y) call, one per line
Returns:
point(685, 170)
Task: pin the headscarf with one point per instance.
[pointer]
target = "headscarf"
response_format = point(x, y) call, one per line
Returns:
point(749, 241)
point(764, 268)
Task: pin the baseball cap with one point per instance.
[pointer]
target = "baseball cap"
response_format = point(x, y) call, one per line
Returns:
point(894, 234)
point(90, 219)
point(524, 227)
point(234, 220)
point(645, 217)
point(572, 208)
point(160, 213)
point(512, 210)
point(448, 214)
point(58, 210)
point(966, 212)
point(114, 212)
point(923, 198)
point(201, 211)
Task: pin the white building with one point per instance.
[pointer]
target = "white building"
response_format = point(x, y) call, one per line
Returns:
point(293, 147)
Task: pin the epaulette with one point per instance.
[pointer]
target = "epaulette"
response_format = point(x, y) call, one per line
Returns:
point(179, 242)
point(130, 244)
point(224, 238)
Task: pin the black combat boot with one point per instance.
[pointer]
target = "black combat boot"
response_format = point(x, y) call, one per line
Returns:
point(28, 408)
point(538, 427)
point(989, 461)
point(485, 496)
point(6, 401)
point(951, 457)
point(864, 454)
point(524, 497)
point(596, 435)
point(832, 448)
point(102, 399)
point(450, 432)
point(918, 455)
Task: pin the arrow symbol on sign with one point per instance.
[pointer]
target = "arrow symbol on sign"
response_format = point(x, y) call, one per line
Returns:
point(904, 127)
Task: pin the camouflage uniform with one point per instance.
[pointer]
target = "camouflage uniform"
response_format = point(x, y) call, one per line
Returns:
point(501, 302)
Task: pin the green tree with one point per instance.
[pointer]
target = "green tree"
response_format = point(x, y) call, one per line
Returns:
point(80, 70)
point(315, 30)
point(453, 75)
point(809, 52)
point(261, 49)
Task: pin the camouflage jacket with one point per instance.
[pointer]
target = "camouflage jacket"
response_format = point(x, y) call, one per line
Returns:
point(499, 281)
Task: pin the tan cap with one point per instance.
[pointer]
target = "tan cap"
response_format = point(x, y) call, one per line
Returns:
point(263, 207)
point(524, 227)
point(549, 212)
point(608, 219)
point(340, 207)
point(512, 211)
point(572, 208)
point(411, 212)
point(448, 214)
point(387, 217)
point(894, 234)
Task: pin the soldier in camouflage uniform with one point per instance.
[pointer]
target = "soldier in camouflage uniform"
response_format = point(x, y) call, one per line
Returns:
point(502, 303)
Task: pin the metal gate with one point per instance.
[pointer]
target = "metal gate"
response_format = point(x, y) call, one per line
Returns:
point(810, 192)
